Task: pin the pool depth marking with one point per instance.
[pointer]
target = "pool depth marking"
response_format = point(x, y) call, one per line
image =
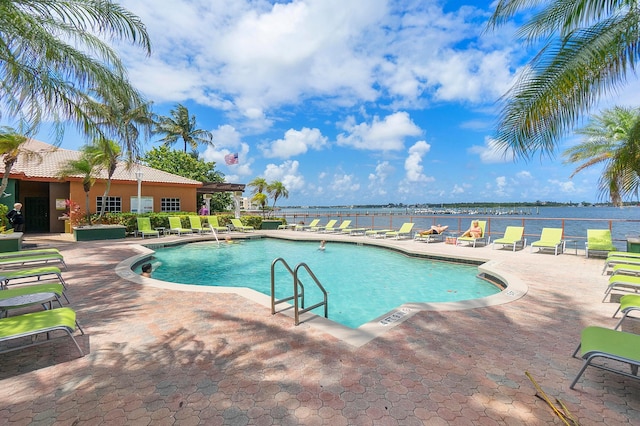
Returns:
point(394, 317)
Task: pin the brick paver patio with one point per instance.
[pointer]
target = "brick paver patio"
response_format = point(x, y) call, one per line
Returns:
point(159, 356)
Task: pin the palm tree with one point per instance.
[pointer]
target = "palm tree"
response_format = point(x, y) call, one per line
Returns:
point(589, 48)
point(50, 57)
point(260, 199)
point(259, 185)
point(276, 190)
point(608, 141)
point(86, 169)
point(11, 148)
point(104, 154)
point(181, 125)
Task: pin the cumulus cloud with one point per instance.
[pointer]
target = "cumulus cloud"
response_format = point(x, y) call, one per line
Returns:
point(227, 140)
point(378, 179)
point(287, 173)
point(344, 184)
point(387, 134)
point(491, 152)
point(295, 142)
point(563, 186)
point(413, 163)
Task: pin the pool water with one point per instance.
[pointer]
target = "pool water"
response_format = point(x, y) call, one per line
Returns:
point(363, 282)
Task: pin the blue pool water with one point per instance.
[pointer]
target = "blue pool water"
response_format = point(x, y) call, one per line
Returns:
point(363, 282)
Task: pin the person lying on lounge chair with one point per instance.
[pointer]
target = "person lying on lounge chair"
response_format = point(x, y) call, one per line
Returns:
point(435, 229)
point(475, 231)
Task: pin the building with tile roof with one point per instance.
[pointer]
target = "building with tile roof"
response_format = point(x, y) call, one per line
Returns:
point(42, 193)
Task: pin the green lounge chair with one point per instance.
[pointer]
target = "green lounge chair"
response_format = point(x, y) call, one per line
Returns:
point(484, 239)
point(343, 225)
point(551, 239)
point(615, 260)
point(238, 226)
point(175, 226)
point(622, 283)
point(311, 224)
point(623, 254)
point(377, 233)
point(196, 225)
point(24, 296)
point(38, 273)
point(599, 240)
point(403, 232)
point(513, 236)
point(628, 303)
point(29, 259)
point(599, 342)
point(355, 231)
point(213, 223)
point(35, 323)
point(321, 228)
point(34, 252)
point(144, 228)
point(626, 269)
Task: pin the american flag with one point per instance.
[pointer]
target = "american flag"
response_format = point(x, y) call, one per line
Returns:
point(231, 158)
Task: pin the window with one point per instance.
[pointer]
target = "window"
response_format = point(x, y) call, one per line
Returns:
point(112, 204)
point(146, 204)
point(170, 204)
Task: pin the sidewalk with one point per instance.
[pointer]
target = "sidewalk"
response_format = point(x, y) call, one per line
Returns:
point(160, 356)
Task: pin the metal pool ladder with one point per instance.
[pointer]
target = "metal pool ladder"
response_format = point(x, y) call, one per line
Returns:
point(298, 290)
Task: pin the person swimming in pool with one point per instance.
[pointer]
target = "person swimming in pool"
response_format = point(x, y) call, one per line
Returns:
point(322, 245)
point(146, 270)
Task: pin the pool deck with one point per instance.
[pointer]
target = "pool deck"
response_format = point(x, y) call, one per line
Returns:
point(159, 356)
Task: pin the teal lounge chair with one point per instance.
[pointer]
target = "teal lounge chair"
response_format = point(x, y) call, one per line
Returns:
point(550, 239)
point(196, 225)
point(513, 236)
point(35, 323)
point(213, 223)
point(175, 226)
point(238, 226)
point(343, 225)
point(403, 232)
point(484, 239)
point(144, 228)
point(599, 342)
point(599, 240)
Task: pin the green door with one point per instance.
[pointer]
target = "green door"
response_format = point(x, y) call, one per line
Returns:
point(36, 215)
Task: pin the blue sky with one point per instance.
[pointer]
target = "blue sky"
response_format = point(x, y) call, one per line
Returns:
point(349, 102)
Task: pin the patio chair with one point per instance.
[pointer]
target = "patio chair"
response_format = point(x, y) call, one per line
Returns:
point(175, 226)
point(213, 223)
point(472, 241)
point(144, 227)
point(599, 342)
point(196, 225)
point(622, 283)
point(37, 273)
point(513, 236)
point(436, 233)
point(30, 295)
point(30, 252)
point(343, 225)
point(238, 226)
point(35, 323)
point(550, 239)
point(311, 224)
point(403, 232)
point(628, 303)
point(376, 233)
point(599, 240)
point(616, 260)
point(320, 228)
point(28, 259)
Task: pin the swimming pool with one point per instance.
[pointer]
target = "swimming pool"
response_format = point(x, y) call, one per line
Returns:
point(363, 282)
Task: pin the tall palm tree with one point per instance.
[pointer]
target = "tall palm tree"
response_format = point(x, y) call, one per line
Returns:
point(589, 47)
point(104, 154)
point(276, 190)
point(86, 170)
point(12, 147)
point(181, 125)
point(260, 198)
point(121, 117)
point(259, 185)
point(608, 141)
point(50, 56)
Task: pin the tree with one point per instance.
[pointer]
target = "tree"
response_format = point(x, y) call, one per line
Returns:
point(181, 125)
point(260, 199)
point(276, 190)
point(104, 154)
point(50, 56)
point(190, 167)
point(12, 146)
point(85, 169)
point(608, 141)
point(259, 185)
point(589, 47)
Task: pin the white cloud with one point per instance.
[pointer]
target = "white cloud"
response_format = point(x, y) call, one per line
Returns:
point(378, 180)
point(287, 173)
point(491, 152)
point(413, 163)
point(343, 184)
point(295, 142)
point(383, 135)
point(564, 186)
point(228, 140)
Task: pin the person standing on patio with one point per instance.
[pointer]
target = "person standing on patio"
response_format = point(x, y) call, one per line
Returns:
point(15, 218)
